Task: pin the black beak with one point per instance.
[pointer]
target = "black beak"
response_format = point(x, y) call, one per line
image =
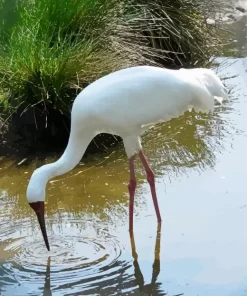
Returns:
point(39, 209)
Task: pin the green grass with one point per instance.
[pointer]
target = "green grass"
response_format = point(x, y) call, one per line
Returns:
point(53, 48)
point(49, 50)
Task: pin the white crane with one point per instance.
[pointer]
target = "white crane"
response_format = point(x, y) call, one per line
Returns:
point(126, 103)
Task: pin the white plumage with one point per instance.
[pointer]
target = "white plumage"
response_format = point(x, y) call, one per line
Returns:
point(126, 103)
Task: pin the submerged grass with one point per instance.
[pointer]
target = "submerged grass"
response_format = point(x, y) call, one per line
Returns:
point(50, 50)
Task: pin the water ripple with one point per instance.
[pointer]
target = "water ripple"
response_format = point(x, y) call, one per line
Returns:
point(78, 260)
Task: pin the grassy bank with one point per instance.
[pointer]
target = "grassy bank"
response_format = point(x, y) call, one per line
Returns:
point(50, 50)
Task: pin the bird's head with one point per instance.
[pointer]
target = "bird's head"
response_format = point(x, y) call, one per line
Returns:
point(36, 199)
point(212, 82)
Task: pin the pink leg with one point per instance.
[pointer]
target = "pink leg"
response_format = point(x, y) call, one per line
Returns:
point(132, 187)
point(151, 181)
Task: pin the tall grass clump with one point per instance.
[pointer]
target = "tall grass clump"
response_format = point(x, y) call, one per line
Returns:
point(54, 47)
point(50, 50)
point(180, 30)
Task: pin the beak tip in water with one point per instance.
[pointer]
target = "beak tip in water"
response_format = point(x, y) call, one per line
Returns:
point(48, 247)
point(39, 209)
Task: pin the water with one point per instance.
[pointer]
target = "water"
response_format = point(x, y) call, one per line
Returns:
point(200, 248)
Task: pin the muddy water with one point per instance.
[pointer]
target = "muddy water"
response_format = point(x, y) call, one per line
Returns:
point(200, 248)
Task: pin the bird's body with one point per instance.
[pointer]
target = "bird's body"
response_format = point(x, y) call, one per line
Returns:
point(126, 103)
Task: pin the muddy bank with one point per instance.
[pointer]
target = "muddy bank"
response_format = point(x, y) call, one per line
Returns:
point(21, 138)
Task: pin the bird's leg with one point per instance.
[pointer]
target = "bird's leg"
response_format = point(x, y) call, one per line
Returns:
point(151, 181)
point(132, 187)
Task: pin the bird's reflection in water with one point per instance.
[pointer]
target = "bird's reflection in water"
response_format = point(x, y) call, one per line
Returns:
point(47, 286)
point(154, 287)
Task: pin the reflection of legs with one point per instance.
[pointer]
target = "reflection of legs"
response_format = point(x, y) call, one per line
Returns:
point(156, 264)
point(151, 181)
point(137, 271)
point(132, 187)
point(151, 288)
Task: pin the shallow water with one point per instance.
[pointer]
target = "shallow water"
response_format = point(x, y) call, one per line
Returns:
point(200, 248)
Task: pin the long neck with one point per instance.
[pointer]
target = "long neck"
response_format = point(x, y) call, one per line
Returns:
point(77, 145)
